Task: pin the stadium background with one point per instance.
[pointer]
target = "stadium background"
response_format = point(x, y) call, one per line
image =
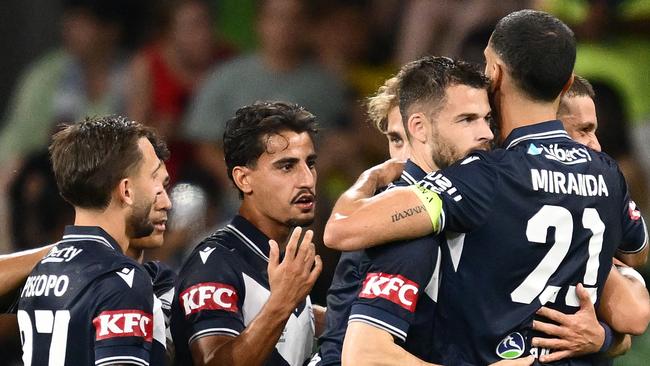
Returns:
point(52, 48)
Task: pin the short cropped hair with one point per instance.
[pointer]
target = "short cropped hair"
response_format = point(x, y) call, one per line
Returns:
point(381, 103)
point(246, 135)
point(89, 158)
point(424, 83)
point(539, 51)
point(581, 87)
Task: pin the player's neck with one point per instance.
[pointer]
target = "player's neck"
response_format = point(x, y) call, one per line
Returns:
point(419, 157)
point(517, 111)
point(135, 254)
point(110, 221)
point(273, 229)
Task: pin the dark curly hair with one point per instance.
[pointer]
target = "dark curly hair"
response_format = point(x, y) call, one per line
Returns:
point(246, 134)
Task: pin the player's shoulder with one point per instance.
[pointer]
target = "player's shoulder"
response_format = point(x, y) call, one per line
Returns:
point(216, 256)
point(411, 251)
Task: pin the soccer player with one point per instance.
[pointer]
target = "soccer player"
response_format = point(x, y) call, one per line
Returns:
point(236, 302)
point(383, 111)
point(86, 302)
point(564, 209)
point(391, 320)
point(16, 267)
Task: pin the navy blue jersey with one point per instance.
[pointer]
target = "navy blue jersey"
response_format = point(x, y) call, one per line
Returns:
point(345, 287)
point(542, 215)
point(222, 287)
point(86, 303)
point(163, 279)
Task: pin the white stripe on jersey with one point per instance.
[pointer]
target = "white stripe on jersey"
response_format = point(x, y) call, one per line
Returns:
point(75, 237)
point(539, 136)
point(379, 324)
point(213, 331)
point(129, 360)
point(247, 241)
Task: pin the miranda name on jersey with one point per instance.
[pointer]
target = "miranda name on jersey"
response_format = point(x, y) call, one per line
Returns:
point(568, 183)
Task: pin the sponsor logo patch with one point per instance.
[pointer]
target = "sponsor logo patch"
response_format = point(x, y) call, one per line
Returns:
point(512, 346)
point(209, 296)
point(634, 212)
point(575, 155)
point(395, 288)
point(123, 323)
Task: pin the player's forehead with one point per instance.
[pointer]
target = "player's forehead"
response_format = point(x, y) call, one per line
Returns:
point(464, 99)
point(287, 144)
point(149, 161)
point(395, 123)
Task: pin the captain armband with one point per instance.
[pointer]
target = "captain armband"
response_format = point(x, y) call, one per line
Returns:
point(432, 203)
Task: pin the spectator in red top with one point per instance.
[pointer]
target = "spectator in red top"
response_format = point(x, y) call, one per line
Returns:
point(165, 74)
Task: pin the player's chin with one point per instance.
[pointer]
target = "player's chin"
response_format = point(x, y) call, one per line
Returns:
point(152, 241)
point(303, 219)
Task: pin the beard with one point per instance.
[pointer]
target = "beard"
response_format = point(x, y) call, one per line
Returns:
point(444, 153)
point(138, 224)
point(293, 222)
point(496, 118)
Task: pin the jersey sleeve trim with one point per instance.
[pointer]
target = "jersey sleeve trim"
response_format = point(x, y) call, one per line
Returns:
point(213, 331)
point(121, 360)
point(432, 203)
point(645, 241)
point(380, 319)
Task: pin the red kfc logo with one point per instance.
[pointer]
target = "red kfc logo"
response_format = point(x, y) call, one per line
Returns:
point(123, 323)
point(395, 288)
point(634, 213)
point(209, 296)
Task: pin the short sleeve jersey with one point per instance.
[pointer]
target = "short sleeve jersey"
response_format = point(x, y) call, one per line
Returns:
point(86, 303)
point(345, 287)
point(222, 287)
point(163, 279)
point(399, 287)
point(541, 215)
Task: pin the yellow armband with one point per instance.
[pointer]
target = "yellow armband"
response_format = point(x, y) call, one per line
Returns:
point(432, 203)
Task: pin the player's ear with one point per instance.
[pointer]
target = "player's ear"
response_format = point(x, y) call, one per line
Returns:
point(242, 178)
point(417, 126)
point(124, 191)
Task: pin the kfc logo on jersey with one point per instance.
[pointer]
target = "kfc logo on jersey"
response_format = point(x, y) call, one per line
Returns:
point(209, 296)
point(634, 212)
point(394, 288)
point(123, 323)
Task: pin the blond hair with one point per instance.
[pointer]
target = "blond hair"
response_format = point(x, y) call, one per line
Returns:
point(382, 102)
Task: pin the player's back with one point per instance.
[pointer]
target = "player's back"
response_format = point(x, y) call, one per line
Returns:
point(550, 215)
point(86, 303)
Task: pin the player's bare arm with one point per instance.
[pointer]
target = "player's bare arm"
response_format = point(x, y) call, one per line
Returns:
point(290, 282)
point(319, 319)
point(360, 220)
point(625, 303)
point(368, 345)
point(635, 260)
point(365, 344)
point(15, 269)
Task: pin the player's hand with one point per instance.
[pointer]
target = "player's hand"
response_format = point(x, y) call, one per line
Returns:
point(387, 172)
point(575, 335)
point(526, 361)
point(292, 279)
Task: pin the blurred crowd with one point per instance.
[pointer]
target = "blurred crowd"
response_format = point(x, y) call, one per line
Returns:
point(185, 66)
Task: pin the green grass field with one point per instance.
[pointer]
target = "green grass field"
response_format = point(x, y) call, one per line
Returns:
point(639, 355)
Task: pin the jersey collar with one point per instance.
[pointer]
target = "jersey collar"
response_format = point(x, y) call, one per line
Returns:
point(539, 131)
point(412, 173)
point(89, 233)
point(251, 236)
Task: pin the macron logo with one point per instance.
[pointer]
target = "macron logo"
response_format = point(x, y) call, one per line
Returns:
point(127, 275)
point(123, 323)
point(394, 288)
point(209, 296)
point(205, 253)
